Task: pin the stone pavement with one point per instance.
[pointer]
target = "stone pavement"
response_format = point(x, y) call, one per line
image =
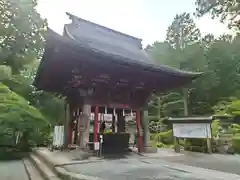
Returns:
point(224, 163)
point(146, 169)
point(219, 162)
point(163, 165)
point(12, 170)
point(161, 152)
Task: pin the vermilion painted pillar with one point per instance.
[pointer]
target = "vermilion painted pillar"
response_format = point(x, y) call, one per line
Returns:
point(139, 134)
point(95, 127)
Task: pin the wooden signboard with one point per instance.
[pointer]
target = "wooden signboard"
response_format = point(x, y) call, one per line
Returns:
point(82, 123)
point(192, 130)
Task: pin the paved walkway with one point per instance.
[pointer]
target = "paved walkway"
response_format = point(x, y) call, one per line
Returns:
point(224, 163)
point(146, 169)
point(164, 165)
point(12, 170)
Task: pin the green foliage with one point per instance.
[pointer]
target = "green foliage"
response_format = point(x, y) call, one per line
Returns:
point(17, 116)
point(5, 72)
point(51, 106)
point(182, 31)
point(230, 106)
point(164, 138)
point(234, 129)
point(21, 33)
point(160, 145)
point(227, 10)
point(180, 50)
point(234, 108)
point(11, 102)
point(215, 127)
point(217, 91)
point(218, 59)
point(236, 144)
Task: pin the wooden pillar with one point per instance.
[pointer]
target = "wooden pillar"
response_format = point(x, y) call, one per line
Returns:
point(95, 127)
point(70, 131)
point(176, 144)
point(139, 134)
point(209, 145)
point(120, 122)
point(85, 134)
point(66, 125)
point(147, 146)
point(145, 126)
point(113, 122)
point(80, 132)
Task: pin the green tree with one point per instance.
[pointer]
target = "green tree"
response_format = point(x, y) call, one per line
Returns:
point(223, 57)
point(5, 72)
point(227, 10)
point(52, 107)
point(183, 33)
point(21, 33)
point(207, 40)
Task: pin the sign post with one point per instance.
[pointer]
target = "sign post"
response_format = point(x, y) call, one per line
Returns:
point(101, 141)
point(192, 130)
point(191, 127)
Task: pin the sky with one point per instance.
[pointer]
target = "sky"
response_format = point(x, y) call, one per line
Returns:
point(145, 19)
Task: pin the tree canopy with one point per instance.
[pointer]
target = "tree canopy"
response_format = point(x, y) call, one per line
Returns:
point(186, 49)
point(23, 109)
point(227, 10)
point(21, 33)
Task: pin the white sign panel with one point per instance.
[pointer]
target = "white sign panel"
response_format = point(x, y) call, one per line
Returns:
point(192, 130)
point(96, 146)
point(101, 138)
point(58, 136)
point(105, 117)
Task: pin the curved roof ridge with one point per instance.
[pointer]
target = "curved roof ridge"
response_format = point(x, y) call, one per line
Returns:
point(71, 16)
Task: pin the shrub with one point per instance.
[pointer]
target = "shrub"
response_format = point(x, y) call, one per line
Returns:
point(215, 127)
point(164, 138)
point(18, 116)
point(234, 129)
point(107, 131)
point(160, 145)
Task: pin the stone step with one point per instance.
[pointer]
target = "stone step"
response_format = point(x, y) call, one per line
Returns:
point(55, 171)
point(32, 172)
point(46, 172)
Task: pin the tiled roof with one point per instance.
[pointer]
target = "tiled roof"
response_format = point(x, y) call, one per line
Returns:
point(117, 45)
